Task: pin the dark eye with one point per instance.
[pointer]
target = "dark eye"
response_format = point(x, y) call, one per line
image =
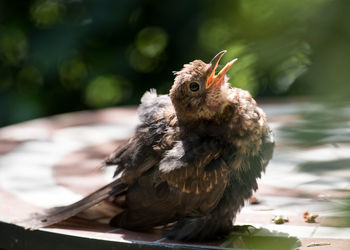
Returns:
point(194, 86)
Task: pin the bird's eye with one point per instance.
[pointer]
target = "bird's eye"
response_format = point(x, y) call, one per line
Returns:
point(194, 86)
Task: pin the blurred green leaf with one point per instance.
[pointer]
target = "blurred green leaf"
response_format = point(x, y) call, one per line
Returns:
point(105, 90)
point(29, 78)
point(46, 13)
point(142, 63)
point(72, 73)
point(13, 44)
point(214, 34)
point(151, 41)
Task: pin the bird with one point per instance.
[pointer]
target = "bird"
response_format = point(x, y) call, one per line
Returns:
point(193, 161)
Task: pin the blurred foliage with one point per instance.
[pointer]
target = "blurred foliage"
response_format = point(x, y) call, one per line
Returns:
point(65, 55)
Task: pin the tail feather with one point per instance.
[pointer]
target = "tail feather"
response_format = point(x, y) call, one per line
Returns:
point(59, 214)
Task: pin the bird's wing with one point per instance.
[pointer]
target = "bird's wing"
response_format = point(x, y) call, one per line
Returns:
point(189, 180)
point(195, 166)
point(152, 137)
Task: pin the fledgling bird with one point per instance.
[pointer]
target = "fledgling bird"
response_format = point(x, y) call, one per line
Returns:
point(193, 161)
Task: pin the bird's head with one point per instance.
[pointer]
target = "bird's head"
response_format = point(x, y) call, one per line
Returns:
point(197, 92)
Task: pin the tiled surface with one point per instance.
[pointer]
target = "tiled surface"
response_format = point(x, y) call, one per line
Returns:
point(60, 155)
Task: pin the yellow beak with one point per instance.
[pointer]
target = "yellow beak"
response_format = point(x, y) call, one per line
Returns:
point(218, 79)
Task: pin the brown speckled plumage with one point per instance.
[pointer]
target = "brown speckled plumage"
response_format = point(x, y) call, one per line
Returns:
point(192, 162)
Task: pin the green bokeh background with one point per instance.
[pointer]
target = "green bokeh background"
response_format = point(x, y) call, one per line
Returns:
point(65, 55)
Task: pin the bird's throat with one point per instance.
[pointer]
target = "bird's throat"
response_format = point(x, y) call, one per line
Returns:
point(214, 99)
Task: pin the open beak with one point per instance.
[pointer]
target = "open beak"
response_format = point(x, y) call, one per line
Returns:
point(218, 79)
